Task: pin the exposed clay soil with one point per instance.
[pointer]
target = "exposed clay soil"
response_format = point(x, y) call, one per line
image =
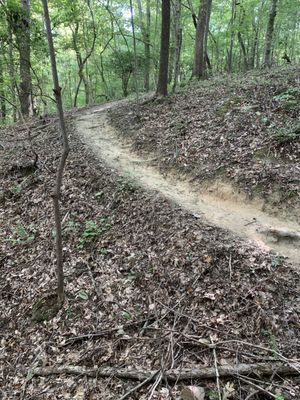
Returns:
point(229, 128)
point(218, 203)
point(160, 281)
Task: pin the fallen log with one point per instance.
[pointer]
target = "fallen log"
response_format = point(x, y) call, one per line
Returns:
point(262, 369)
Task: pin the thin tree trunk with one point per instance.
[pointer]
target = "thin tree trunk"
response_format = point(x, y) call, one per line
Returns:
point(207, 60)
point(11, 69)
point(60, 170)
point(194, 16)
point(269, 33)
point(2, 92)
point(162, 85)
point(145, 29)
point(23, 37)
point(135, 67)
point(254, 45)
point(178, 41)
point(82, 61)
point(230, 52)
point(243, 50)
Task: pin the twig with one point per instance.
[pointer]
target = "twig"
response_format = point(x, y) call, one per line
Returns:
point(260, 388)
point(251, 395)
point(216, 370)
point(137, 387)
point(95, 335)
point(230, 267)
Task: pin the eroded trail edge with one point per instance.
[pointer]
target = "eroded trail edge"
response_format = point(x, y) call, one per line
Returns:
point(218, 204)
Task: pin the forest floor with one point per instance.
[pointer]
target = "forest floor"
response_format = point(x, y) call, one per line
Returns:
point(153, 279)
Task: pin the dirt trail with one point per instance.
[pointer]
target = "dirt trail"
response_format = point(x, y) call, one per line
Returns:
point(219, 204)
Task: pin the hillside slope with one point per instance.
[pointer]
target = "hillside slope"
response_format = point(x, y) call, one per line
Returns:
point(244, 129)
point(149, 286)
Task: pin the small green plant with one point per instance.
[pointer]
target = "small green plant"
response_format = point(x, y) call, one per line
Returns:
point(277, 261)
point(126, 315)
point(92, 231)
point(288, 94)
point(68, 227)
point(287, 135)
point(16, 189)
point(272, 341)
point(20, 235)
point(289, 98)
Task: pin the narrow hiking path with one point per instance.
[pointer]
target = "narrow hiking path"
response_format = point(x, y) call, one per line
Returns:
point(219, 204)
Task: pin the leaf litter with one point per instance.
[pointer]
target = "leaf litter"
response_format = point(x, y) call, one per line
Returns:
point(157, 285)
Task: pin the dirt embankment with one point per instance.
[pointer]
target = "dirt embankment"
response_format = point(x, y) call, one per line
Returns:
point(244, 130)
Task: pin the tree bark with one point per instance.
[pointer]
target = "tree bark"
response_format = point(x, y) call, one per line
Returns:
point(162, 85)
point(2, 92)
point(172, 375)
point(145, 29)
point(60, 170)
point(11, 68)
point(269, 33)
point(199, 69)
point(22, 30)
point(82, 61)
point(135, 66)
point(243, 49)
point(230, 52)
point(178, 41)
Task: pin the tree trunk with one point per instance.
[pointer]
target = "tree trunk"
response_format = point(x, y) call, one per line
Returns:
point(178, 41)
point(254, 45)
point(2, 92)
point(207, 60)
point(135, 66)
point(11, 69)
point(269, 33)
point(60, 170)
point(23, 38)
point(230, 52)
point(244, 52)
point(199, 70)
point(145, 29)
point(162, 85)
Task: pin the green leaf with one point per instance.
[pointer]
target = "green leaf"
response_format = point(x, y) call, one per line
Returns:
point(83, 295)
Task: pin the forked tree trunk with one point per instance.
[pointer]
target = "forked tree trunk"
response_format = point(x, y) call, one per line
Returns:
point(162, 85)
point(60, 170)
point(269, 33)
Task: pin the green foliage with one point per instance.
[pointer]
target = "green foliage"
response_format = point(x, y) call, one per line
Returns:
point(289, 98)
point(92, 231)
point(21, 236)
point(277, 261)
point(126, 315)
point(284, 135)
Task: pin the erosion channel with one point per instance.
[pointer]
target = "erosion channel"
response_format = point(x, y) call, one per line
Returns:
point(218, 204)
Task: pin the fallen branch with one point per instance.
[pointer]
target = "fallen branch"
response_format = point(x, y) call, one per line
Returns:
point(265, 369)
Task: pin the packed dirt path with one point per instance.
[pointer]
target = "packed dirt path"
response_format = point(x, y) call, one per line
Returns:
point(218, 204)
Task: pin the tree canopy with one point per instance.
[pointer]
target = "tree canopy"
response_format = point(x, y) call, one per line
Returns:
point(94, 42)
